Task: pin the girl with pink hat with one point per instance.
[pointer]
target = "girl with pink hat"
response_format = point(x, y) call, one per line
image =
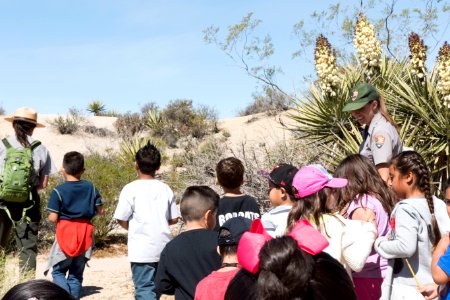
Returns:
point(350, 241)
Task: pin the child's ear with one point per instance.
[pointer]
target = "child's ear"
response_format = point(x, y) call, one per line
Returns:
point(410, 178)
point(210, 219)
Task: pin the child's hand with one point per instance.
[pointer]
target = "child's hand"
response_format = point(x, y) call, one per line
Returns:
point(429, 291)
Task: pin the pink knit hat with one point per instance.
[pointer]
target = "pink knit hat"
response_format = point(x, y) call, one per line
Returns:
point(312, 178)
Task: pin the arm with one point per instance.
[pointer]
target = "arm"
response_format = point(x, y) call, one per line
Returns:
point(163, 279)
point(357, 243)
point(173, 221)
point(439, 275)
point(123, 224)
point(53, 217)
point(364, 214)
point(43, 182)
point(383, 170)
point(405, 242)
point(100, 210)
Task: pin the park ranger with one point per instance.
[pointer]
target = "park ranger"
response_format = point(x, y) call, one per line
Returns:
point(381, 141)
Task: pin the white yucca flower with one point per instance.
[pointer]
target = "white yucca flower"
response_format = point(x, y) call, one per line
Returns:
point(418, 56)
point(367, 46)
point(443, 73)
point(325, 63)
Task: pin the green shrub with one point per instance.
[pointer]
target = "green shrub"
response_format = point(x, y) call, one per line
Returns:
point(129, 124)
point(96, 107)
point(271, 103)
point(70, 123)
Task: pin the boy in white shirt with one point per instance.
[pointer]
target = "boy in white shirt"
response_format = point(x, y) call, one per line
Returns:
point(146, 208)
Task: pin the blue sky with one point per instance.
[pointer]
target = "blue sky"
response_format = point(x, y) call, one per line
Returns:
point(60, 54)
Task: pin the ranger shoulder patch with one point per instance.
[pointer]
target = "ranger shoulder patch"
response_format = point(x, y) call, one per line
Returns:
point(379, 140)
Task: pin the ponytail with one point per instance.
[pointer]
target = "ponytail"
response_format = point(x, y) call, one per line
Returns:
point(23, 130)
point(383, 110)
point(411, 161)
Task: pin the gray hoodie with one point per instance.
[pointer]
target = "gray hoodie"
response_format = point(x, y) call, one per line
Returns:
point(411, 238)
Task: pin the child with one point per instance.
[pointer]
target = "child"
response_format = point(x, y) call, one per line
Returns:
point(146, 208)
point(37, 289)
point(215, 284)
point(350, 240)
point(281, 196)
point(440, 263)
point(192, 255)
point(293, 266)
point(230, 176)
point(365, 197)
point(414, 230)
point(71, 206)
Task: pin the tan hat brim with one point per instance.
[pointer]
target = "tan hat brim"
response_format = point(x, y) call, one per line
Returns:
point(12, 119)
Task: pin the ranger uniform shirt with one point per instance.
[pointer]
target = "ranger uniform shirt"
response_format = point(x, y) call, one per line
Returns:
point(382, 141)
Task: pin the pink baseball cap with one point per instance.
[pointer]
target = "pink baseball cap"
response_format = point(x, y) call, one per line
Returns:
point(312, 178)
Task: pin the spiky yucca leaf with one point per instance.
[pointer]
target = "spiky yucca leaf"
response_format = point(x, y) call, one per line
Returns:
point(129, 147)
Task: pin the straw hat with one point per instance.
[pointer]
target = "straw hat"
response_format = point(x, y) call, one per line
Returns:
point(25, 114)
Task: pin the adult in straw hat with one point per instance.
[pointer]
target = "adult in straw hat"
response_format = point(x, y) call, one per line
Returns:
point(25, 214)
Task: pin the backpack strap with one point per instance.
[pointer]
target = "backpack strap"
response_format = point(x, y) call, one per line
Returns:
point(34, 145)
point(6, 143)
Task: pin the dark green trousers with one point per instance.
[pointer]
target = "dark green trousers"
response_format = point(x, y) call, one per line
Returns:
point(26, 234)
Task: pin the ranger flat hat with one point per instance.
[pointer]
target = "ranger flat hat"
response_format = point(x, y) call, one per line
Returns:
point(25, 114)
point(362, 94)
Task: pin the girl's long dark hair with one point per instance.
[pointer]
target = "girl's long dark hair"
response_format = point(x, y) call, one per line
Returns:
point(287, 272)
point(411, 161)
point(310, 207)
point(22, 130)
point(363, 178)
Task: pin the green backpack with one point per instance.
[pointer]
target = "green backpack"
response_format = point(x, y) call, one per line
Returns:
point(15, 181)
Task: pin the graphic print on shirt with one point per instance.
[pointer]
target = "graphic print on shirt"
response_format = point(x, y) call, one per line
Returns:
point(246, 214)
point(379, 140)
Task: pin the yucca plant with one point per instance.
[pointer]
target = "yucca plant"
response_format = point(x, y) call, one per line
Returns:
point(129, 147)
point(96, 107)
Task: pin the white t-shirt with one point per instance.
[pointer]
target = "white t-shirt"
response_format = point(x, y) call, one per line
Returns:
point(147, 205)
point(274, 221)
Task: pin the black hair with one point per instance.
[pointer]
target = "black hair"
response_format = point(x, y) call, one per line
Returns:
point(242, 286)
point(196, 201)
point(411, 161)
point(22, 130)
point(148, 159)
point(73, 163)
point(226, 249)
point(40, 289)
point(286, 272)
point(230, 172)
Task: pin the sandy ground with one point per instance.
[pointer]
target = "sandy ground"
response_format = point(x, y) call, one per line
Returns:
point(110, 278)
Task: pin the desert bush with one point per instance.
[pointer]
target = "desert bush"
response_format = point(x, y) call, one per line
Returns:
point(70, 123)
point(129, 124)
point(111, 113)
point(9, 275)
point(97, 131)
point(270, 102)
point(2, 111)
point(149, 107)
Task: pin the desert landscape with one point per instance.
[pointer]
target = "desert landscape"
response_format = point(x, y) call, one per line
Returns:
point(109, 276)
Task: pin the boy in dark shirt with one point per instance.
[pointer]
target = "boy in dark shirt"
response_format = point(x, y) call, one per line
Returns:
point(71, 206)
point(230, 176)
point(192, 255)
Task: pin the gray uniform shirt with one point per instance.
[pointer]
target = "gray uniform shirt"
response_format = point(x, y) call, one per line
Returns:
point(42, 162)
point(382, 142)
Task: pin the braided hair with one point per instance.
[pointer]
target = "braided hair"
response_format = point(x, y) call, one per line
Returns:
point(23, 130)
point(411, 161)
point(287, 272)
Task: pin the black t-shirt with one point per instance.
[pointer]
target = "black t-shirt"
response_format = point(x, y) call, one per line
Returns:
point(240, 206)
point(186, 260)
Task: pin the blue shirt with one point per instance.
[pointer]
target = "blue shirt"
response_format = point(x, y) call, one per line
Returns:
point(444, 264)
point(74, 200)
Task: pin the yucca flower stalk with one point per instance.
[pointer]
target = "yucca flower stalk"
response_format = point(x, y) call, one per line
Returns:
point(367, 46)
point(325, 63)
point(418, 56)
point(443, 73)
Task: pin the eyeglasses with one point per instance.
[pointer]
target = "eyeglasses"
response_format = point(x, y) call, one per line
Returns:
point(447, 201)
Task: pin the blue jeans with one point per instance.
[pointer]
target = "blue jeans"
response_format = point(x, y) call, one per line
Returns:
point(75, 267)
point(143, 278)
